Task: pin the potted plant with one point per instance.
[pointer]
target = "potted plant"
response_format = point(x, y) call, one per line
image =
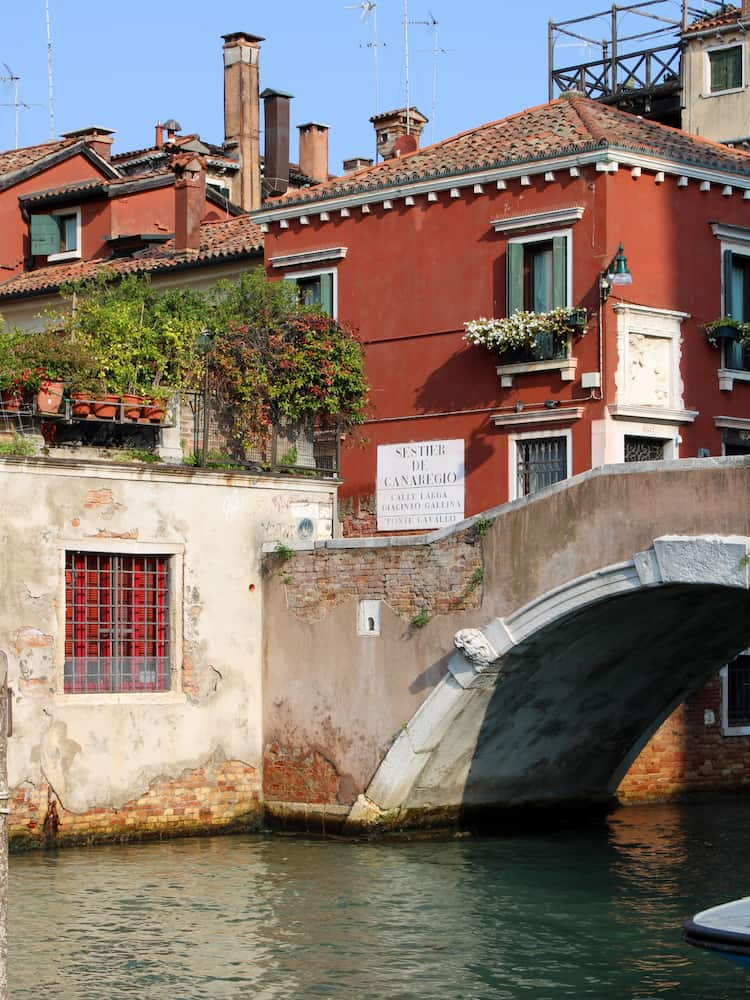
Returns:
point(726, 330)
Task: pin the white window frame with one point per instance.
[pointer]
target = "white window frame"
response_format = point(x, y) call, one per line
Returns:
point(545, 237)
point(68, 254)
point(175, 553)
point(707, 92)
point(726, 729)
point(736, 239)
point(513, 440)
point(296, 275)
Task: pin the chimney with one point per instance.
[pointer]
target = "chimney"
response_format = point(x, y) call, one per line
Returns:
point(745, 10)
point(189, 201)
point(356, 163)
point(276, 158)
point(171, 126)
point(96, 138)
point(313, 150)
point(392, 125)
point(242, 112)
point(159, 135)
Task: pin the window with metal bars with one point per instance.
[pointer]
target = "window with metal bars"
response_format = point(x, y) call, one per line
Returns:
point(540, 462)
point(117, 625)
point(738, 692)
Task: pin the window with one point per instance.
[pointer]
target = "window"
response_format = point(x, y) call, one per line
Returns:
point(117, 623)
point(537, 281)
point(735, 683)
point(736, 304)
point(725, 69)
point(56, 236)
point(318, 289)
point(221, 189)
point(539, 463)
point(643, 449)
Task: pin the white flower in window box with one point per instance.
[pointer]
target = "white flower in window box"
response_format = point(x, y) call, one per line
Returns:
point(530, 336)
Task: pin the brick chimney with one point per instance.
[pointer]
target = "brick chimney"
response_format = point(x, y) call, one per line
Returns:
point(96, 138)
point(276, 157)
point(745, 10)
point(242, 112)
point(189, 201)
point(313, 150)
point(158, 135)
point(356, 163)
point(392, 125)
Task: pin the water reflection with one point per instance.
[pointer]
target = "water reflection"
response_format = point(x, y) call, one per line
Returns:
point(594, 913)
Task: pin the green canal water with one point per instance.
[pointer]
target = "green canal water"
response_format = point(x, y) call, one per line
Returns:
point(578, 913)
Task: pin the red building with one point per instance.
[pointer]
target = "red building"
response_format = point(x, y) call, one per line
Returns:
point(528, 213)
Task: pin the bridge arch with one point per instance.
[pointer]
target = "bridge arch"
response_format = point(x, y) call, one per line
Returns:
point(552, 703)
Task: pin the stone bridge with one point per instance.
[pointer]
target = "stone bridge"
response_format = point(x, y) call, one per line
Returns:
point(520, 659)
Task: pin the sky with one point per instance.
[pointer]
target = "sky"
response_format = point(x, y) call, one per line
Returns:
point(125, 66)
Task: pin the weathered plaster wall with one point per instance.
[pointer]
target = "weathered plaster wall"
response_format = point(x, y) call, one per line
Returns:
point(150, 761)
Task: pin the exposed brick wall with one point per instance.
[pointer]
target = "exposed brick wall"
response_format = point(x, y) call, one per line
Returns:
point(210, 799)
point(299, 775)
point(437, 579)
point(686, 756)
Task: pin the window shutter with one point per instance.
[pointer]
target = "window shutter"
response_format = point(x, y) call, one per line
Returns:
point(732, 352)
point(514, 278)
point(326, 293)
point(729, 304)
point(45, 235)
point(559, 272)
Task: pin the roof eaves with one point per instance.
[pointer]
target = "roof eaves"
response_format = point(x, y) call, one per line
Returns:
point(398, 181)
point(14, 177)
point(173, 263)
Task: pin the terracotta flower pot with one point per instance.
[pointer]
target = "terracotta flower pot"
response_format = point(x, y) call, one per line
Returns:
point(81, 404)
point(105, 407)
point(49, 397)
point(133, 405)
point(11, 400)
point(155, 411)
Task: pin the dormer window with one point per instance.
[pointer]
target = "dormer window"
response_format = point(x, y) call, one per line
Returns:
point(56, 236)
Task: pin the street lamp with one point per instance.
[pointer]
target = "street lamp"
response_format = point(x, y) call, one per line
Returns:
point(615, 273)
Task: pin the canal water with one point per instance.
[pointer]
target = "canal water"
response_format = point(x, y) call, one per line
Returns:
point(578, 913)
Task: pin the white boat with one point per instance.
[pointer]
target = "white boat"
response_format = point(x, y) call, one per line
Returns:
point(724, 929)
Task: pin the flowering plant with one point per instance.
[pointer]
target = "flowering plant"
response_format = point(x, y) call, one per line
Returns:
point(742, 330)
point(522, 331)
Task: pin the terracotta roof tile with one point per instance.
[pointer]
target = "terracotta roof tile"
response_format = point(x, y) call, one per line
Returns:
point(719, 19)
point(219, 241)
point(567, 125)
point(94, 185)
point(15, 159)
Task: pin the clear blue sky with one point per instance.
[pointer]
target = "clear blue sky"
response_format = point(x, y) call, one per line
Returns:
point(126, 65)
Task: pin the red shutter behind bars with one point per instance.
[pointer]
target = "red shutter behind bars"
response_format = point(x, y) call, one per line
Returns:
point(116, 622)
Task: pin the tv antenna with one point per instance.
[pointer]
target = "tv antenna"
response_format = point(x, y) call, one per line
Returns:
point(406, 67)
point(49, 73)
point(10, 77)
point(436, 51)
point(370, 8)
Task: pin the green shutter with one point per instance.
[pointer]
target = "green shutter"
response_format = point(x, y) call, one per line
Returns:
point(559, 272)
point(732, 352)
point(729, 304)
point(45, 235)
point(514, 278)
point(326, 293)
